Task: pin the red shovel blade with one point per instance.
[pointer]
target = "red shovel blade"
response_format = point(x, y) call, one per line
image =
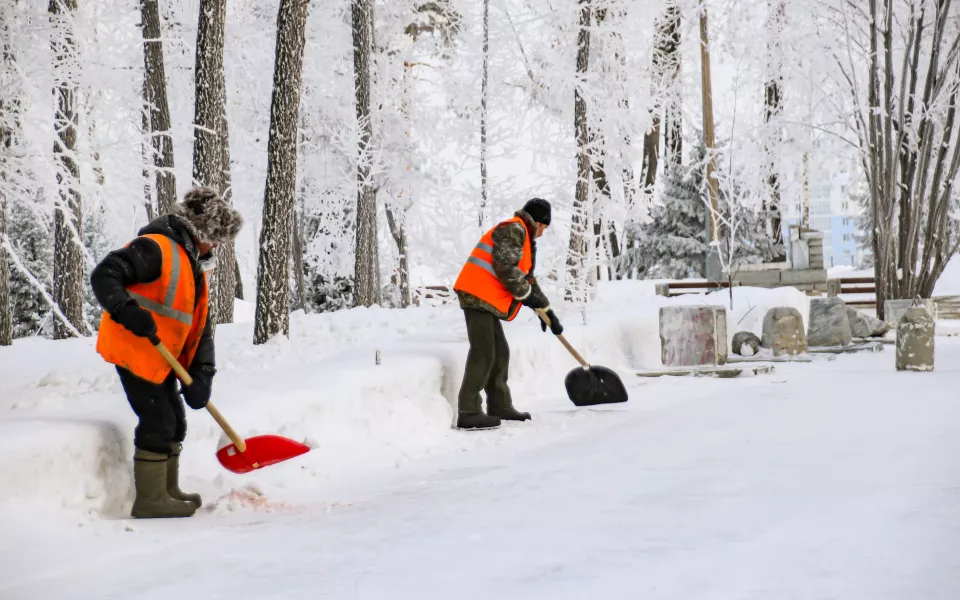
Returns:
point(262, 451)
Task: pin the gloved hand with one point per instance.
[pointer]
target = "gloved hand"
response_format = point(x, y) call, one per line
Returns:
point(138, 320)
point(536, 299)
point(198, 394)
point(555, 327)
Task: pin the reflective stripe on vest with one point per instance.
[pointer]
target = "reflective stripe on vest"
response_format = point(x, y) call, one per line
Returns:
point(170, 295)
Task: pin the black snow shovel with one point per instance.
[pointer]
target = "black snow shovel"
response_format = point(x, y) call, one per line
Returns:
point(590, 384)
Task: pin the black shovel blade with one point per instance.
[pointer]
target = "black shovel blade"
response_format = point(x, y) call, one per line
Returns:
point(594, 385)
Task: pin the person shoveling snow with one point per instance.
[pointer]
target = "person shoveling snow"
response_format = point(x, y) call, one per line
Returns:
point(154, 291)
point(495, 282)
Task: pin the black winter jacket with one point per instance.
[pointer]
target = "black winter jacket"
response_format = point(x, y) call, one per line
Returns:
point(142, 262)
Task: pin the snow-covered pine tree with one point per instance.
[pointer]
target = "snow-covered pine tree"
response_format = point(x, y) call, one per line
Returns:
point(672, 244)
point(32, 245)
point(273, 271)
point(68, 255)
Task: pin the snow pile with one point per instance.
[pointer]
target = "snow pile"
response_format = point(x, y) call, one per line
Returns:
point(67, 429)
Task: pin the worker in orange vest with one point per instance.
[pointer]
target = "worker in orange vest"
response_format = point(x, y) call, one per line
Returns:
point(155, 290)
point(495, 282)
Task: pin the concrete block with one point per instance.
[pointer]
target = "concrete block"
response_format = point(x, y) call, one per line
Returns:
point(829, 324)
point(833, 288)
point(663, 289)
point(894, 309)
point(693, 335)
point(915, 335)
point(783, 332)
point(805, 276)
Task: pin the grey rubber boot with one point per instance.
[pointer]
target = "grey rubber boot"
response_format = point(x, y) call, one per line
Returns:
point(150, 478)
point(173, 479)
point(477, 421)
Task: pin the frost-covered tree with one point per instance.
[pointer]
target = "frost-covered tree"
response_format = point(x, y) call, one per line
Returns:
point(672, 245)
point(9, 109)
point(367, 274)
point(156, 108)
point(68, 254)
point(273, 273)
point(97, 245)
point(31, 275)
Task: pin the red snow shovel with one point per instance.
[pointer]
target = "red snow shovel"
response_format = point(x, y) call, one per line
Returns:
point(242, 456)
point(591, 384)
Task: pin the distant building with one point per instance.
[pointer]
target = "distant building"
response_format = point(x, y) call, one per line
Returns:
point(833, 213)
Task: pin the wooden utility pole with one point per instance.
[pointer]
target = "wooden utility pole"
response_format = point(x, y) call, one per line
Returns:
point(708, 133)
point(805, 214)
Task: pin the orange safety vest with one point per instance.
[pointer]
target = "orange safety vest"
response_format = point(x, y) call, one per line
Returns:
point(479, 279)
point(180, 315)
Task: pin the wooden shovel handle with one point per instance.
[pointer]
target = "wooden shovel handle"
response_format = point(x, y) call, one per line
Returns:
point(188, 381)
point(543, 315)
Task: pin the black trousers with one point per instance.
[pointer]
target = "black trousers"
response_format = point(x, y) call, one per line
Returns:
point(488, 364)
point(160, 409)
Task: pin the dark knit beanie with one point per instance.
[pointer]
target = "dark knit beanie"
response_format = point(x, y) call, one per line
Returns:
point(539, 210)
point(208, 217)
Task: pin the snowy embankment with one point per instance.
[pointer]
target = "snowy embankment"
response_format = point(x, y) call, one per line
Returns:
point(66, 430)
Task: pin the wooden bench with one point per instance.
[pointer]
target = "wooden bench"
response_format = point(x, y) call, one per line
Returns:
point(846, 286)
point(680, 288)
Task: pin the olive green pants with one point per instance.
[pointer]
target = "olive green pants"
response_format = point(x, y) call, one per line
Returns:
point(488, 363)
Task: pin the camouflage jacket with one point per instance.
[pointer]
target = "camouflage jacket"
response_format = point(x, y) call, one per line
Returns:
point(507, 251)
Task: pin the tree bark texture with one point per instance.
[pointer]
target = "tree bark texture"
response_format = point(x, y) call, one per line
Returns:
point(366, 273)
point(273, 271)
point(298, 269)
point(155, 97)
point(211, 151)
point(773, 111)
point(483, 113)
point(146, 152)
point(399, 232)
point(577, 249)
point(11, 109)
point(68, 256)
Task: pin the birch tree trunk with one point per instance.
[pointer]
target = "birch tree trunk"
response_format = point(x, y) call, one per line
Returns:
point(68, 256)
point(577, 249)
point(273, 270)
point(367, 272)
point(773, 110)
point(211, 152)
point(155, 97)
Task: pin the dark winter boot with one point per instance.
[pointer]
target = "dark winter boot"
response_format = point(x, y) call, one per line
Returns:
point(477, 421)
point(150, 479)
point(173, 479)
point(509, 414)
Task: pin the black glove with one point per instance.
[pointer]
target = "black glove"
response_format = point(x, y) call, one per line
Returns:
point(535, 299)
point(198, 394)
point(555, 327)
point(137, 320)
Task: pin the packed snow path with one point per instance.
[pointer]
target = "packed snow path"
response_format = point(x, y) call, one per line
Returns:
point(827, 480)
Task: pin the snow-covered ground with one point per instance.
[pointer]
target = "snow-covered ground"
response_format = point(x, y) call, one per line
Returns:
point(832, 479)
